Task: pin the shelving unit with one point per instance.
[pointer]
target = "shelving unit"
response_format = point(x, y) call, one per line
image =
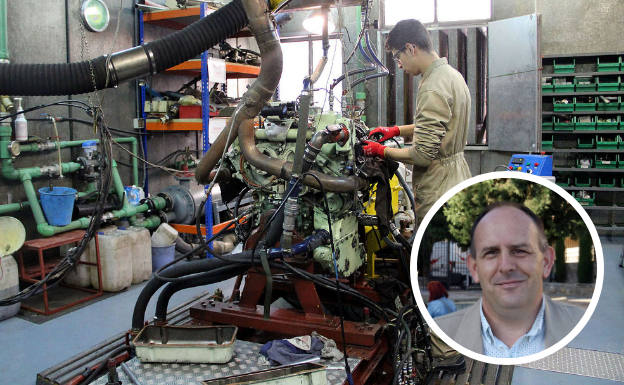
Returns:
point(175, 20)
point(581, 94)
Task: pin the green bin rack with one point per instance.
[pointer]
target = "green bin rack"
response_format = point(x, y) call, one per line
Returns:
point(612, 125)
point(608, 142)
point(613, 105)
point(585, 201)
point(584, 106)
point(585, 143)
point(563, 181)
point(584, 126)
point(562, 66)
point(584, 84)
point(563, 126)
point(582, 181)
point(608, 65)
point(610, 84)
point(606, 161)
point(606, 181)
point(560, 105)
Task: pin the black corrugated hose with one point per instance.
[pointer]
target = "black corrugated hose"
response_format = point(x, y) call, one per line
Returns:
point(75, 78)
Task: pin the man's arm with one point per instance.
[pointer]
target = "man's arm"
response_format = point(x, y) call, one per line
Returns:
point(407, 131)
point(428, 131)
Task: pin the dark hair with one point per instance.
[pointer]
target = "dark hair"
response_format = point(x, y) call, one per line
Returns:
point(409, 31)
point(536, 220)
point(436, 290)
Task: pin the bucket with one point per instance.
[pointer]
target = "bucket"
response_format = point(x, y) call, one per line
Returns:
point(165, 235)
point(58, 204)
point(161, 256)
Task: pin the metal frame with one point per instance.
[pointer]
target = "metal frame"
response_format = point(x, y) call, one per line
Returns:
point(39, 245)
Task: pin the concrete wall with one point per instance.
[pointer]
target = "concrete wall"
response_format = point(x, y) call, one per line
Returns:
point(37, 34)
point(571, 26)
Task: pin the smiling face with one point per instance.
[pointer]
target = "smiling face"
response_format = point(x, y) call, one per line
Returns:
point(510, 260)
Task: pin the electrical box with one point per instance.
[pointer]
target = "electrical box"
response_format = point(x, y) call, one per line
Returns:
point(531, 164)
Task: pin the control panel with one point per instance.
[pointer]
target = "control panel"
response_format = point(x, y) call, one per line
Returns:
point(531, 164)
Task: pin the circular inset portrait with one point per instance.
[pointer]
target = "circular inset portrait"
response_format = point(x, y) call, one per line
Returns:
point(509, 268)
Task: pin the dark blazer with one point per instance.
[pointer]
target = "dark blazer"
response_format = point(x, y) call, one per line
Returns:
point(464, 326)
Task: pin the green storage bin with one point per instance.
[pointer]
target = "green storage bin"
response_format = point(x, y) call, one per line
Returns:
point(564, 65)
point(606, 181)
point(563, 181)
point(610, 84)
point(563, 126)
point(582, 181)
point(560, 105)
point(584, 126)
point(584, 106)
point(563, 87)
point(548, 124)
point(584, 84)
point(609, 65)
point(585, 201)
point(606, 161)
point(607, 125)
point(585, 143)
point(548, 88)
point(608, 142)
point(613, 105)
point(547, 142)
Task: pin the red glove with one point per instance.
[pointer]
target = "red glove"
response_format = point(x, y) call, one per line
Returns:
point(384, 133)
point(373, 149)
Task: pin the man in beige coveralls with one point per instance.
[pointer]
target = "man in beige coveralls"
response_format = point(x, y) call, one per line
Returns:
point(440, 123)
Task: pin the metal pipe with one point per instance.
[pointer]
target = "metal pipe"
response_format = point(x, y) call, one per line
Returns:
point(260, 91)
point(283, 169)
point(4, 40)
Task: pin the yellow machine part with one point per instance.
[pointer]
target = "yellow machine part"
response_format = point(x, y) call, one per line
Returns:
point(373, 239)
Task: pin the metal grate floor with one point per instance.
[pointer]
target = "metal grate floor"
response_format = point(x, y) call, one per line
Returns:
point(245, 360)
point(582, 362)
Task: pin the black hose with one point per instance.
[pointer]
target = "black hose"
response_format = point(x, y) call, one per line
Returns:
point(150, 58)
point(178, 270)
point(219, 275)
point(182, 246)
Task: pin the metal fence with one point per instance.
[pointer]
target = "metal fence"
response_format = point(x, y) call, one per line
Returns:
point(448, 264)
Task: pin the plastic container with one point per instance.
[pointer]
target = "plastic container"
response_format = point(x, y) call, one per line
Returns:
point(141, 253)
point(58, 204)
point(607, 123)
point(9, 285)
point(612, 105)
point(563, 126)
point(608, 83)
point(89, 147)
point(609, 65)
point(134, 195)
point(165, 235)
point(548, 124)
point(563, 105)
point(584, 84)
point(80, 275)
point(115, 259)
point(607, 142)
point(606, 181)
point(585, 143)
point(547, 142)
point(162, 255)
point(584, 106)
point(582, 181)
point(21, 124)
point(606, 161)
point(563, 182)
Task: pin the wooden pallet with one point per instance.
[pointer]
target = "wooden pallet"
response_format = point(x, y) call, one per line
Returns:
point(476, 373)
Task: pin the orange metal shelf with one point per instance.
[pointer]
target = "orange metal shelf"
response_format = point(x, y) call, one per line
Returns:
point(174, 125)
point(180, 18)
point(234, 70)
point(190, 229)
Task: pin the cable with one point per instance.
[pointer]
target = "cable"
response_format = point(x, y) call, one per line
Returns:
point(69, 103)
point(338, 296)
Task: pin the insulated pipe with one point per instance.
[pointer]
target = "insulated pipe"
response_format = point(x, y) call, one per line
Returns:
point(260, 91)
point(109, 71)
point(283, 169)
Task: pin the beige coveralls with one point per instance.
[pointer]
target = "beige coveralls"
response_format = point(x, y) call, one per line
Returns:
point(441, 125)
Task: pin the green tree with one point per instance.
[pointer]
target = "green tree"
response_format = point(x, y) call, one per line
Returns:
point(561, 274)
point(559, 217)
point(437, 230)
point(585, 267)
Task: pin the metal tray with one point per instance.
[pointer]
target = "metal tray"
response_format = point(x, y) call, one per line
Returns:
point(300, 374)
point(191, 344)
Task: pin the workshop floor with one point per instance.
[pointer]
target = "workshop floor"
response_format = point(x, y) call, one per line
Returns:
point(594, 357)
point(27, 348)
